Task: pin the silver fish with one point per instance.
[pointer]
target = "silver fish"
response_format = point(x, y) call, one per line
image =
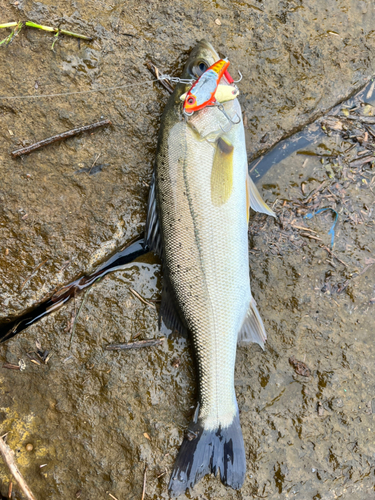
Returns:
point(197, 222)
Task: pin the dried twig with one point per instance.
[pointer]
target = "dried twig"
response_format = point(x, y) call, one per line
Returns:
point(96, 159)
point(304, 228)
point(59, 137)
point(358, 162)
point(370, 262)
point(76, 316)
point(65, 265)
point(134, 345)
point(343, 286)
point(141, 298)
point(154, 70)
point(316, 191)
point(362, 119)
point(112, 496)
point(8, 457)
point(333, 255)
point(144, 483)
point(32, 274)
point(307, 235)
point(255, 165)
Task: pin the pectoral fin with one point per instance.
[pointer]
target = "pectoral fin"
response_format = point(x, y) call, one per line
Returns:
point(255, 200)
point(222, 172)
point(252, 327)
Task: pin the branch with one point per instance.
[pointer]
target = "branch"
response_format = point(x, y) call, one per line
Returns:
point(8, 457)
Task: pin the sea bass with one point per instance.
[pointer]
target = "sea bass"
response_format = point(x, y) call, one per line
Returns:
point(197, 222)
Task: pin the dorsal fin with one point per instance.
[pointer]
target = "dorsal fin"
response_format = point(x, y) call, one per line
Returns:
point(152, 231)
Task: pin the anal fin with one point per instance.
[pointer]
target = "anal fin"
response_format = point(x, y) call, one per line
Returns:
point(252, 329)
point(255, 199)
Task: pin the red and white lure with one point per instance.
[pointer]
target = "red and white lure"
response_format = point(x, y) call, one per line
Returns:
point(203, 91)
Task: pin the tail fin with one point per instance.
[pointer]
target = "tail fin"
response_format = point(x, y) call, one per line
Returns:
point(205, 451)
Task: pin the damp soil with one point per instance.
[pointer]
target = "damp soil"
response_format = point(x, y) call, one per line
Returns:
point(96, 417)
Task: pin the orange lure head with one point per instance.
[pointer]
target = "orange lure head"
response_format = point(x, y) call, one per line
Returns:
point(202, 93)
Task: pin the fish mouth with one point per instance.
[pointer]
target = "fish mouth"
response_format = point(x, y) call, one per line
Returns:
point(206, 45)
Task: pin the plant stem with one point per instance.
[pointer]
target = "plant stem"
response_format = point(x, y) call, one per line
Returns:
point(8, 25)
point(15, 31)
point(30, 24)
point(55, 40)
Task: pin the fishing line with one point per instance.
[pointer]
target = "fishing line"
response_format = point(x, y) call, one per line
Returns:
point(104, 89)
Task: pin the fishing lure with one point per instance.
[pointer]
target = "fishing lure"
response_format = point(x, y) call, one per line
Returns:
point(203, 91)
point(224, 93)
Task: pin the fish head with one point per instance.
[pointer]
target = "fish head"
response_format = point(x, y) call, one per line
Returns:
point(201, 58)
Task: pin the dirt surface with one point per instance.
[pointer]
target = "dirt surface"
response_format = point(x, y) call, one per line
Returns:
point(95, 418)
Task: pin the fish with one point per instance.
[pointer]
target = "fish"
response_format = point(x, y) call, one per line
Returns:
point(202, 92)
point(197, 222)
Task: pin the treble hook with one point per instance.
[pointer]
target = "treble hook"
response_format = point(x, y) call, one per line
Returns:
point(239, 72)
point(221, 108)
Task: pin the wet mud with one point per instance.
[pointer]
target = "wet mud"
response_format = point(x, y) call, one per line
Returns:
point(96, 417)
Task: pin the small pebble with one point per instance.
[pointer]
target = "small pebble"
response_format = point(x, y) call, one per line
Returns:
point(29, 447)
point(176, 362)
point(300, 367)
point(320, 409)
point(218, 22)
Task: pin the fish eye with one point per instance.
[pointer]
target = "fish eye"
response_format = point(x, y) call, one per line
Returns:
point(191, 100)
point(202, 67)
point(199, 68)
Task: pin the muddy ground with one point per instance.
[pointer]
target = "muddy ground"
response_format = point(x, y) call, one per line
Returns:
point(95, 418)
